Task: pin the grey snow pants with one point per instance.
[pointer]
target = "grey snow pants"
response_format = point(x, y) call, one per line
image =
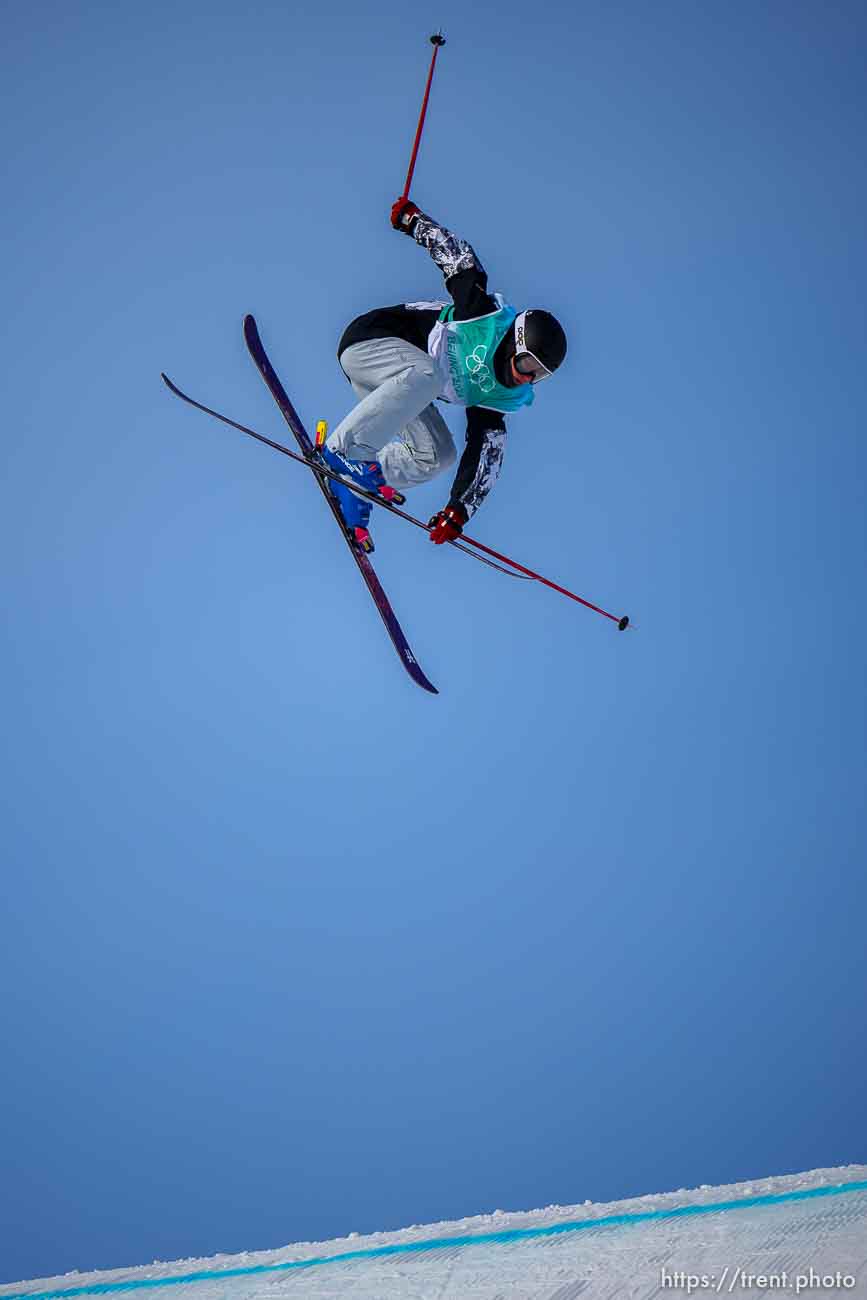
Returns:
point(395, 422)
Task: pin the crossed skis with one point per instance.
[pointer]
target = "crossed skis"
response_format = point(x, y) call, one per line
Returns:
point(322, 473)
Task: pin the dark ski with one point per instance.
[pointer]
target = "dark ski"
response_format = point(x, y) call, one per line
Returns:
point(366, 569)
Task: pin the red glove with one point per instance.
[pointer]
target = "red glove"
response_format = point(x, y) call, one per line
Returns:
point(448, 524)
point(403, 215)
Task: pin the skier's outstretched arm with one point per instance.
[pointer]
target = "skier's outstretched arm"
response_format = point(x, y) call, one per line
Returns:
point(482, 460)
point(478, 471)
point(466, 279)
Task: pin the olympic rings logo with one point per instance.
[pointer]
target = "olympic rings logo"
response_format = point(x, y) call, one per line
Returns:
point(480, 373)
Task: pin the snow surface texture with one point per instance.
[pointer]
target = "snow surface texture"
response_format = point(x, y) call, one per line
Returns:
point(804, 1234)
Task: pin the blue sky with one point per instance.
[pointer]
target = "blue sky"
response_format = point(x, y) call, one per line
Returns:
point(290, 948)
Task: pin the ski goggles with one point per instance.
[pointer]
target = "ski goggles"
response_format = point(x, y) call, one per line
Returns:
point(527, 364)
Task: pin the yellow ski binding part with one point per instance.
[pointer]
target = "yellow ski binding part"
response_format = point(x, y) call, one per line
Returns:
point(321, 432)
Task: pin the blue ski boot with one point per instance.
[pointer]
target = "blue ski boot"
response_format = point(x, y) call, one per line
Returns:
point(355, 510)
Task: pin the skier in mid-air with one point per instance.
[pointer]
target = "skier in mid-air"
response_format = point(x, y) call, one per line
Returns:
point(477, 351)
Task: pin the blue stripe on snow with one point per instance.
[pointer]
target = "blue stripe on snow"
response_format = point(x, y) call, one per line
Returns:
point(438, 1243)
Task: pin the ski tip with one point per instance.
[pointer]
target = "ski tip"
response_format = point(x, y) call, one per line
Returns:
point(413, 667)
point(624, 623)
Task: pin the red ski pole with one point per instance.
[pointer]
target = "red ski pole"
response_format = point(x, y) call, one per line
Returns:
point(622, 622)
point(436, 41)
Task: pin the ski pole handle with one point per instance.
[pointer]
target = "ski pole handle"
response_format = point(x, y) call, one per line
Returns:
point(437, 41)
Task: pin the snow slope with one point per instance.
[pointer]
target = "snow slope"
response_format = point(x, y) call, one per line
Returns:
point(804, 1234)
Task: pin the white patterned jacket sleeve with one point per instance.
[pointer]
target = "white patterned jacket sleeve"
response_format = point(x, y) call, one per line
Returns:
point(450, 253)
point(481, 462)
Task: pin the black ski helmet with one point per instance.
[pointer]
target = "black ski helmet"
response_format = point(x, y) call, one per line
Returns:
point(541, 335)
